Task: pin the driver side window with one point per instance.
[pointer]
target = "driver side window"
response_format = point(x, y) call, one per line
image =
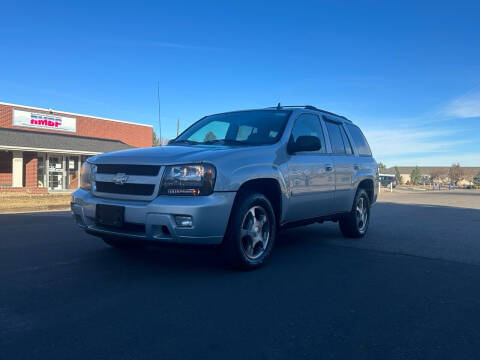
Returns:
point(308, 125)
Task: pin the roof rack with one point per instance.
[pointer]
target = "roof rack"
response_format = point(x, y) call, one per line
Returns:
point(310, 107)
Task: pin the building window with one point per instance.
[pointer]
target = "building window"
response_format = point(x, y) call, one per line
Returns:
point(72, 173)
point(41, 171)
point(5, 168)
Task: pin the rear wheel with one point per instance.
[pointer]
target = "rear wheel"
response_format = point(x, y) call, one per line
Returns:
point(251, 232)
point(355, 224)
point(122, 243)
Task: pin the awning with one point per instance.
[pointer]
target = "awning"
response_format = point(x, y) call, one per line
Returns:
point(12, 139)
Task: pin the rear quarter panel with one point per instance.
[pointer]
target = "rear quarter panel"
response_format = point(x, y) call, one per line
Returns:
point(368, 170)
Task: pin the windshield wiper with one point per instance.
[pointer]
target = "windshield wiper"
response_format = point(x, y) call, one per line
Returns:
point(226, 142)
point(189, 142)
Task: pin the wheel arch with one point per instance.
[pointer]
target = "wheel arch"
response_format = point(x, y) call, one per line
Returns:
point(369, 187)
point(269, 187)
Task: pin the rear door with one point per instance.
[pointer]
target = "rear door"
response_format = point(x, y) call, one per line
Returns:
point(310, 174)
point(344, 163)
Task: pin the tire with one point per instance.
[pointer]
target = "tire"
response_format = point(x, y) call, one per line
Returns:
point(355, 223)
point(122, 243)
point(251, 232)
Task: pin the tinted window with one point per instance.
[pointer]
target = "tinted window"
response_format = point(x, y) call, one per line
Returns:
point(346, 141)
point(359, 140)
point(335, 132)
point(242, 127)
point(212, 131)
point(308, 125)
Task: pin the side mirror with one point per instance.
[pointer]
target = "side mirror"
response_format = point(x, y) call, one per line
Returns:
point(305, 143)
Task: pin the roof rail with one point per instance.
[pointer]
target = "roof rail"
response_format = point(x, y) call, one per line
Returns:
point(310, 107)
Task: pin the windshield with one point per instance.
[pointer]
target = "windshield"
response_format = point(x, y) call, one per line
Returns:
point(257, 127)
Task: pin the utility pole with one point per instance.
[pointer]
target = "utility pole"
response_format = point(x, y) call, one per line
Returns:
point(159, 121)
point(178, 126)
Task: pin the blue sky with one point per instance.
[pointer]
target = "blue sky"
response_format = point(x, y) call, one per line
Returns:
point(407, 72)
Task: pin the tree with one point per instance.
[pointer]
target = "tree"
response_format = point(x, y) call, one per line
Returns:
point(435, 175)
point(455, 173)
point(476, 179)
point(398, 176)
point(381, 166)
point(415, 175)
point(209, 136)
point(155, 139)
point(158, 142)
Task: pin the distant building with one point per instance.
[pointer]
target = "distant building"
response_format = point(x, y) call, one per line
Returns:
point(438, 173)
point(42, 150)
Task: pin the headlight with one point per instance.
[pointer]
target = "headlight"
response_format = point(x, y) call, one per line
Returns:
point(86, 176)
point(192, 179)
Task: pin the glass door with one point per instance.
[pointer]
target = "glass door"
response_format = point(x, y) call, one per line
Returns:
point(72, 171)
point(56, 172)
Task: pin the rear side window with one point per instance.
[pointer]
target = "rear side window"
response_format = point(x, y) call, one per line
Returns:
point(338, 139)
point(359, 140)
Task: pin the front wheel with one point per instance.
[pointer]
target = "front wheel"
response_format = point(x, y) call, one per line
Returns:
point(251, 232)
point(355, 223)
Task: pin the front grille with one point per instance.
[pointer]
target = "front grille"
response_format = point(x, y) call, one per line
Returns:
point(142, 170)
point(125, 189)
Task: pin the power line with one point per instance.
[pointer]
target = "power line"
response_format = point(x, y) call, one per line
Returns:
point(159, 121)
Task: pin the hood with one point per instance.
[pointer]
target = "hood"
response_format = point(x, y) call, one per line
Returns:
point(163, 155)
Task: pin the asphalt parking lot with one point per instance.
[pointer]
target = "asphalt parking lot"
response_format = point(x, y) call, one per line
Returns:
point(409, 290)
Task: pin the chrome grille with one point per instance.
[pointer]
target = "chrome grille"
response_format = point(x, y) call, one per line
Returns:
point(127, 189)
point(141, 170)
point(127, 181)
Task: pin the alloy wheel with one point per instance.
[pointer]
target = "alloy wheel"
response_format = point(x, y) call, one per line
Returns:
point(255, 232)
point(361, 214)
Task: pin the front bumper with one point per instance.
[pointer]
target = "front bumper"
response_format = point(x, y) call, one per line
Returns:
point(155, 220)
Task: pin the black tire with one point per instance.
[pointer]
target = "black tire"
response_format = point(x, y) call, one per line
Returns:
point(350, 225)
point(122, 243)
point(240, 249)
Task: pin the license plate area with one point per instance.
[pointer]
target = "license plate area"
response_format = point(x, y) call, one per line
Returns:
point(109, 215)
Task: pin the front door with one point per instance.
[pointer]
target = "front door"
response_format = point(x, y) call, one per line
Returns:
point(71, 180)
point(310, 175)
point(56, 173)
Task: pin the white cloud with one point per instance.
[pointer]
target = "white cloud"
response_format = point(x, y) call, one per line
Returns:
point(429, 139)
point(402, 142)
point(469, 159)
point(466, 106)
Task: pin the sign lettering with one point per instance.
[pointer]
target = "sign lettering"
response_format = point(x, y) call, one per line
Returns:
point(44, 121)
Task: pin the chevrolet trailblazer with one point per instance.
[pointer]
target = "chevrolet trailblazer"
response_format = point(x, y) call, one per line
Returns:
point(233, 179)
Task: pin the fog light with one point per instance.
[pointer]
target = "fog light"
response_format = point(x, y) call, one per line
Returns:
point(183, 221)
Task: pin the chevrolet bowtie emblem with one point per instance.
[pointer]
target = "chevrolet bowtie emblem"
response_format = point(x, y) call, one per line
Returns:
point(120, 178)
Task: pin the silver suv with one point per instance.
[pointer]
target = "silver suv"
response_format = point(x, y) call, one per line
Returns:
point(233, 179)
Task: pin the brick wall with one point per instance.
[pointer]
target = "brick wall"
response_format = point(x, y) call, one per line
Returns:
point(131, 134)
point(30, 163)
point(5, 168)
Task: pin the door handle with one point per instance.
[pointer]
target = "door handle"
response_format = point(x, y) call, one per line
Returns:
point(356, 167)
point(328, 168)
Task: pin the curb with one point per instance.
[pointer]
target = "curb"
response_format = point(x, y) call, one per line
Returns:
point(45, 208)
